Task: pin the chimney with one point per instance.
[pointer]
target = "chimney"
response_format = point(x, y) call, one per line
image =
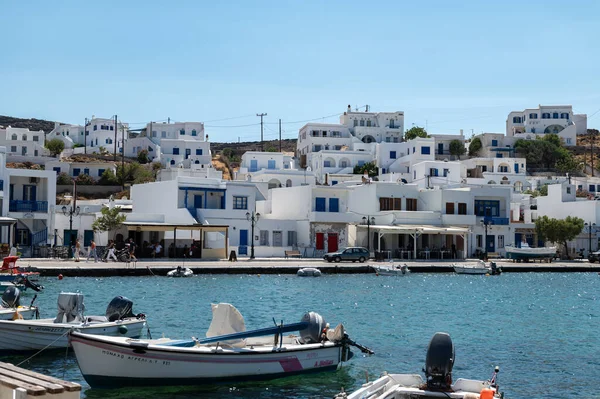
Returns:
point(349, 108)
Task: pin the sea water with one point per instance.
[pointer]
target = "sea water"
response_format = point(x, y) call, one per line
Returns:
point(540, 328)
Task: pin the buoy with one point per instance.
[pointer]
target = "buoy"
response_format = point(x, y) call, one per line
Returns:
point(60, 276)
point(486, 393)
point(123, 330)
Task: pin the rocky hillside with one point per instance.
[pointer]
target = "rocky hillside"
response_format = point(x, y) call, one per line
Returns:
point(33, 124)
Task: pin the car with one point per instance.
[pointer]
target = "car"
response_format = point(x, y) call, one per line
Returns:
point(351, 253)
point(594, 257)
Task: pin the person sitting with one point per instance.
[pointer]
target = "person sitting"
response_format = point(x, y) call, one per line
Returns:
point(157, 250)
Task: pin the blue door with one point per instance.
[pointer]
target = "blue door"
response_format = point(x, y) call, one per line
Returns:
point(198, 201)
point(243, 247)
point(518, 238)
point(441, 148)
point(516, 168)
point(253, 165)
point(88, 236)
point(188, 152)
point(491, 244)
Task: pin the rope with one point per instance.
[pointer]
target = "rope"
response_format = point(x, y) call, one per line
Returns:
point(44, 348)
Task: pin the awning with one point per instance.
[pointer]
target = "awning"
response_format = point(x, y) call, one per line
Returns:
point(422, 229)
point(6, 221)
point(148, 226)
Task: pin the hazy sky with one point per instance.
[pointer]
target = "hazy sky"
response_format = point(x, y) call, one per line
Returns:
point(450, 65)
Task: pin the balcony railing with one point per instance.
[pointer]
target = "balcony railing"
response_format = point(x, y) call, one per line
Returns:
point(28, 206)
point(495, 220)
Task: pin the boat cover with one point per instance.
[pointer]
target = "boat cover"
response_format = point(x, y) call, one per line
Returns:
point(226, 320)
point(70, 308)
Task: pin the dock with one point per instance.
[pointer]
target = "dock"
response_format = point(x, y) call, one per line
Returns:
point(160, 267)
point(19, 383)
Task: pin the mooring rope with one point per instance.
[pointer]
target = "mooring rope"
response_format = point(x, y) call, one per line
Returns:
point(44, 348)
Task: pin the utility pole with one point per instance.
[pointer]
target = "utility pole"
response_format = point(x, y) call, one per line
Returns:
point(85, 137)
point(123, 154)
point(592, 157)
point(115, 154)
point(262, 148)
point(280, 135)
point(428, 180)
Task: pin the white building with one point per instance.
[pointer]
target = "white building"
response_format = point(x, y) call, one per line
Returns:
point(498, 171)
point(558, 119)
point(278, 169)
point(22, 142)
point(99, 132)
point(74, 169)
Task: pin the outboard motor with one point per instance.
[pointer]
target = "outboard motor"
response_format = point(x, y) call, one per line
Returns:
point(312, 333)
point(439, 362)
point(10, 298)
point(119, 308)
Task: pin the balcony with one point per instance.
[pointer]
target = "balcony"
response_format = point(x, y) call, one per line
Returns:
point(496, 220)
point(28, 206)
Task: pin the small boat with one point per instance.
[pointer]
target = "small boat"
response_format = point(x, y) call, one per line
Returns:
point(30, 335)
point(11, 309)
point(472, 268)
point(391, 270)
point(229, 353)
point(525, 252)
point(23, 283)
point(180, 272)
point(309, 272)
point(438, 383)
point(10, 271)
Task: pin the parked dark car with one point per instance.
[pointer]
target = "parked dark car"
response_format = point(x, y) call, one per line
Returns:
point(594, 257)
point(351, 253)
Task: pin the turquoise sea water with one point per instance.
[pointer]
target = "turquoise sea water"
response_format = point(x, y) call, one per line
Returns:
point(541, 329)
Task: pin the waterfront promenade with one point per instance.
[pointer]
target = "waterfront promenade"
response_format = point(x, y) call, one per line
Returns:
point(54, 267)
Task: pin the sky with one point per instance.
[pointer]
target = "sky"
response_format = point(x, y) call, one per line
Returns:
point(447, 65)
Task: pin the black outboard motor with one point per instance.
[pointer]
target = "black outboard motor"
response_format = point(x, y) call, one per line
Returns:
point(439, 362)
point(10, 298)
point(119, 308)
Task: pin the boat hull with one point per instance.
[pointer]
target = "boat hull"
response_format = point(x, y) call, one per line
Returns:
point(105, 363)
point(32, 335)
point(26, 312)
point(390, 271)
point(471, 270)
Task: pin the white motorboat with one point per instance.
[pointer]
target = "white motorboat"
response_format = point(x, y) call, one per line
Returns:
point(309, 272)
point(180, 272)
point(29, 335)
point(472, 268)
point(391, 270)
point(11, 309)
point(438, 383)
point(525, 252)
point(228, 354)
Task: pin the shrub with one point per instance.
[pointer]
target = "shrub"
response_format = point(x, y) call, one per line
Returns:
point(85, 180)
point(63, 179)
point(55, 146)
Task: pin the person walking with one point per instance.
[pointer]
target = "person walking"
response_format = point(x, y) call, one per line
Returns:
point(111, 251)
point(92, 251)
point(132, 250)
point(77, 249)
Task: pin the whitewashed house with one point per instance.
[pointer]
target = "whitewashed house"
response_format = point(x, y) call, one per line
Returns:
point(278, 169)
point(75, 169)
point(498, 171)
point(23, 143)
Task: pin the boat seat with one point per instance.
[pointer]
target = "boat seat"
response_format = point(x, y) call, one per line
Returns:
point(465, 385)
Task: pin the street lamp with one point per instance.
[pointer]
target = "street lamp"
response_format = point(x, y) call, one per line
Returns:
point(591, 226)
point(486, 222)
point(253, 219)
point(368, 221)
point(72, 210)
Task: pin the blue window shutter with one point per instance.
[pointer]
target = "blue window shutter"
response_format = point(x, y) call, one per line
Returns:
point(76, 171)
point(86, 171)
point(320, 204)
point(101, 172)
point(425, 150)
point(271, 164)
point(175, 151)
point(198, 151)
point(392, 154)
point(57, 170)
point(334, 204)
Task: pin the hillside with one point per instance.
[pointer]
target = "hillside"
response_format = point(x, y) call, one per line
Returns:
point(287, 145)
point(33, 124)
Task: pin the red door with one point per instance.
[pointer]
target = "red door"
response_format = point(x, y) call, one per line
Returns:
point(332, 242)
point(320, 238)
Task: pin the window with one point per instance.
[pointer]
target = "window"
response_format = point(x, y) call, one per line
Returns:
point(546, 115)
point(271, 164)
point(240, 202)
point(319, 204)
point(390, 204)
point(334, 204)
point(76, 172)
point(533, 116)
point(175, 151)
point(194, 133)
point(388, 139)
point(433, 172)
point(23, 237)
point(395, 139)
point(479, 240)
point(163, 134)
point(555, 115)
point(516, 119)
point(449, 208)
point(56, 169)
point(278, 239)
point(564, 115)
point(36, 138)
point(446, 172)
point(86, 171)
point(111, 127)
point(362, 122)
point(13, 148)
point(24, 137)
point(494, 143)
point(101, 172)
point(13, 137)
point(154, 133)
point(424, 150)
point(500, 241)
point(292, 239)
point(343, 164)
point(462, 208)
point(503, 169)
point(317, 148)
point(368, 123)
point(95, 127)
point(592, 188)
point(411, 204)
point(198, 151)
point(568, 190)
point(264, 237)
point(182, 132)
point(392, 154)
point(487, 208)
point(392, 123)
point(569, 141)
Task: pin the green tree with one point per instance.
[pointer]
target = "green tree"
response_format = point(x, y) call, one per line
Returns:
point(63, 179)
point(543, 190)
point(85, 180)
point(271, 149)
point(108, 178)
point(110, 220)
point(55, 146)
point(142, 157)
point(457, 148)
point(369, 167)
point(414, 132)
point(475, 146)
point(228, 152)
point(558, 231)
